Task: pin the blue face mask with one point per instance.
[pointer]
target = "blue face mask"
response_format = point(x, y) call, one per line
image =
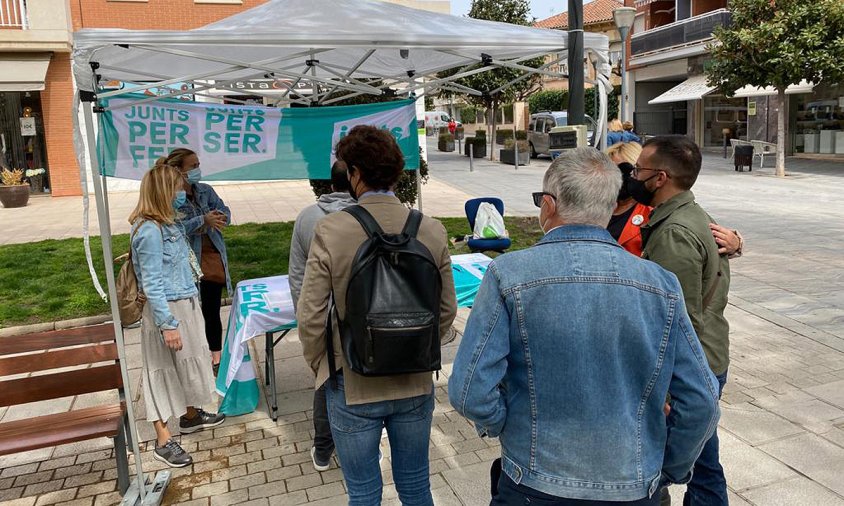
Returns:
point(180, 199)
point(193, 176)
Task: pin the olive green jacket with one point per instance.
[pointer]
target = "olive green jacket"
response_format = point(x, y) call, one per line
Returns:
point(678, 238)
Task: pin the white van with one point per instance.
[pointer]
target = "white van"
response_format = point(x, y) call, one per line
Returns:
point(437, 119)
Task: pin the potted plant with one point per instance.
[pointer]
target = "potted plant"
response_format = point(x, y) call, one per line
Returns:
point(36, 179)
point(446, 143)
point(508, 154)
point(479, 149)
point(503, 135)
point(14, 192)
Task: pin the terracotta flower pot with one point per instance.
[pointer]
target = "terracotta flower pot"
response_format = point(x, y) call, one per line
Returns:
point(14, 196)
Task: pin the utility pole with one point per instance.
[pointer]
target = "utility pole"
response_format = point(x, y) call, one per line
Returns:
point(575, 48)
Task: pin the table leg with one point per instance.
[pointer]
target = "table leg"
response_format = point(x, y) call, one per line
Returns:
point(270, 372)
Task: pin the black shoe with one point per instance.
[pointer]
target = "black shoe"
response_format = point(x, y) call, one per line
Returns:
point(172, 454)
point(202, 420)
point(319, 465)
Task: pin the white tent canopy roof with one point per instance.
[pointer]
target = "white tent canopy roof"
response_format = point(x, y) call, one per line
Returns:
point(345, 40)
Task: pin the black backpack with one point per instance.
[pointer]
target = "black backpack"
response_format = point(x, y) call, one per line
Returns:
point(393, 299)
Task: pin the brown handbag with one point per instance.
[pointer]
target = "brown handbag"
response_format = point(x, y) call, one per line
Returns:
point(130, 299)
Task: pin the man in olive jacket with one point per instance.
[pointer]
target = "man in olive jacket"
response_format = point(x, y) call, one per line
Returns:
point(678, 238)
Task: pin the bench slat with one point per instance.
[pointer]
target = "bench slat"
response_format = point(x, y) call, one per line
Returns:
point(64, 384)
point(53, 339)
point(60, 428)
point(36, 362)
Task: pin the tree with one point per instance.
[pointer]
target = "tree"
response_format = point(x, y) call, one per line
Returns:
point(779, 43)
point(515, 12)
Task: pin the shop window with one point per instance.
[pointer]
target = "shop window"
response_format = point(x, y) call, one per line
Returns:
point(22, 141)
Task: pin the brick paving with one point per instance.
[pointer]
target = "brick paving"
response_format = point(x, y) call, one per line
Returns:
point(782, 426)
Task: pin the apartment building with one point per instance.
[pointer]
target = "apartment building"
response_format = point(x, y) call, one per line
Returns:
point(34, 42)
point(36, 84)
point(597, 18)
point(668, 56)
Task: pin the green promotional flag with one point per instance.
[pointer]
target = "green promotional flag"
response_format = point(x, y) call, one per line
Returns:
point(236, 142)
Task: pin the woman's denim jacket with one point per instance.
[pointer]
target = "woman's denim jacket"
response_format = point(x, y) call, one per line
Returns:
point(160, 255)
point(193, 219)
point(567, 357)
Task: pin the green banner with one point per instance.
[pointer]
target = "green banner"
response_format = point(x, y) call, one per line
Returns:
point(236, 143)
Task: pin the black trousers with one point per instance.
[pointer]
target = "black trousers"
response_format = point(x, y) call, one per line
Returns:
point(323, 442)
point(210, 297)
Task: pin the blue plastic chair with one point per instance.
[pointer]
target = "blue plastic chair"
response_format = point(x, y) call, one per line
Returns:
point(481, 245)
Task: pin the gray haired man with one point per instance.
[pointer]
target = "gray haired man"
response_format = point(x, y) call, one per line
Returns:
point(570, 351)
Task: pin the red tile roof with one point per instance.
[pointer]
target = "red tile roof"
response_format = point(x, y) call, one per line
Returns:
point(597, 11)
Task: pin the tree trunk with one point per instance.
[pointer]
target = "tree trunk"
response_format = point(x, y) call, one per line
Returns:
point(781, 132)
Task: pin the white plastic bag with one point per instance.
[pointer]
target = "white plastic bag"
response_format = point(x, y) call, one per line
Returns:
point(489, 224)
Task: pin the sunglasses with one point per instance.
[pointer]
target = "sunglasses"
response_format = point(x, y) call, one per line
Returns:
point(537, 197)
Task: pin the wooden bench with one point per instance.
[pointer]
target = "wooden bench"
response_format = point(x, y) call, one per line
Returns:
point(92, 353)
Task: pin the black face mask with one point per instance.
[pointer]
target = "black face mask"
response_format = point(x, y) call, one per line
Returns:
point(352, 191)
point(626, 169)
point(639, 191)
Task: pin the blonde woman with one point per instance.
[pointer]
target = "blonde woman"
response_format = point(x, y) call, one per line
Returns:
point(177, 377)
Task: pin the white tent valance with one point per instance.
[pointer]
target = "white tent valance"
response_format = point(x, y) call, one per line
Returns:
point(361, 41)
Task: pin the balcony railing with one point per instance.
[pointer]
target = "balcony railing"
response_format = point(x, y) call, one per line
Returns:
point(680, 33)
point(13, 14)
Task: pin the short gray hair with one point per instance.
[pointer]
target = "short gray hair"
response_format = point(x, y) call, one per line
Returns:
point(585, 184)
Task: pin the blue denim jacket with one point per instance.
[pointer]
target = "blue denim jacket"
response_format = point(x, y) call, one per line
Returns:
point(193, 220)
point(162, 265)
point(567, 357)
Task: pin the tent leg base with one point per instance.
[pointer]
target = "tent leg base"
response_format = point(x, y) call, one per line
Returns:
point(154, 491)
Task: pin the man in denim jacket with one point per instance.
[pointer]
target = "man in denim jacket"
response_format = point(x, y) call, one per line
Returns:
point(570, 351)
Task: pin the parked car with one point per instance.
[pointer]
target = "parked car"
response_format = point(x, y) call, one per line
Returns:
point(540, 126)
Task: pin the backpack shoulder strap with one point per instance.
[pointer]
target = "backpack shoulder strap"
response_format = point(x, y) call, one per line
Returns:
point(411, 227)
point(370, 226)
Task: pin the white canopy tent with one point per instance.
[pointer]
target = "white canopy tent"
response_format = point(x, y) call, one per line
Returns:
point(340, 47)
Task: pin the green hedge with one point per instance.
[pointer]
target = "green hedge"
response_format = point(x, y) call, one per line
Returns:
point(558, 100)
point(503, 135)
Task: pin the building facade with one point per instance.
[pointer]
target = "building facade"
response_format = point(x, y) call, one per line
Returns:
point(36, 84)
point(670, 94)
point(668, 56)
point(597, 18)
point(35, 45)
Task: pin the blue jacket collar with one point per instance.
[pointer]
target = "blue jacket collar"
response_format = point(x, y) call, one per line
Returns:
point(569, 233)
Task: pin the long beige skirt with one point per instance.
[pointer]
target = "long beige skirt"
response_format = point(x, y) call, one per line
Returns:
point(174, 380)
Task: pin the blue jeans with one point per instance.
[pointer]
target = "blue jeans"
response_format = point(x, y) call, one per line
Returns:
point(357, 436)
point(511, 494)
point(708, 486)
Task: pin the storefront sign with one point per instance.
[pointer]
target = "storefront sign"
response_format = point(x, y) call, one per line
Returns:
point(243, 142)
point(28, 127)
point(751, 108)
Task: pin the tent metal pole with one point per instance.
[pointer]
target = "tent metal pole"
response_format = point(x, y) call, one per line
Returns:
point(105, 236)
point(200, 75)
point(257, 66)
point(575, 52)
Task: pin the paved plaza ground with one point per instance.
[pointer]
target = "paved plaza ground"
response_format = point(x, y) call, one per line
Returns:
point(782, 425)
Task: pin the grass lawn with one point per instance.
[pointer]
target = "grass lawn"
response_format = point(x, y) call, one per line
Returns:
point(49, 281)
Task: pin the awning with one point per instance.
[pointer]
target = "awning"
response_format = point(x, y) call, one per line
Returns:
point(693, 88)
point(794, 89)
point(23, 71)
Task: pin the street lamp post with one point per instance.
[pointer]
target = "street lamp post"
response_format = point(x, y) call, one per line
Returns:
point(624, 17)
